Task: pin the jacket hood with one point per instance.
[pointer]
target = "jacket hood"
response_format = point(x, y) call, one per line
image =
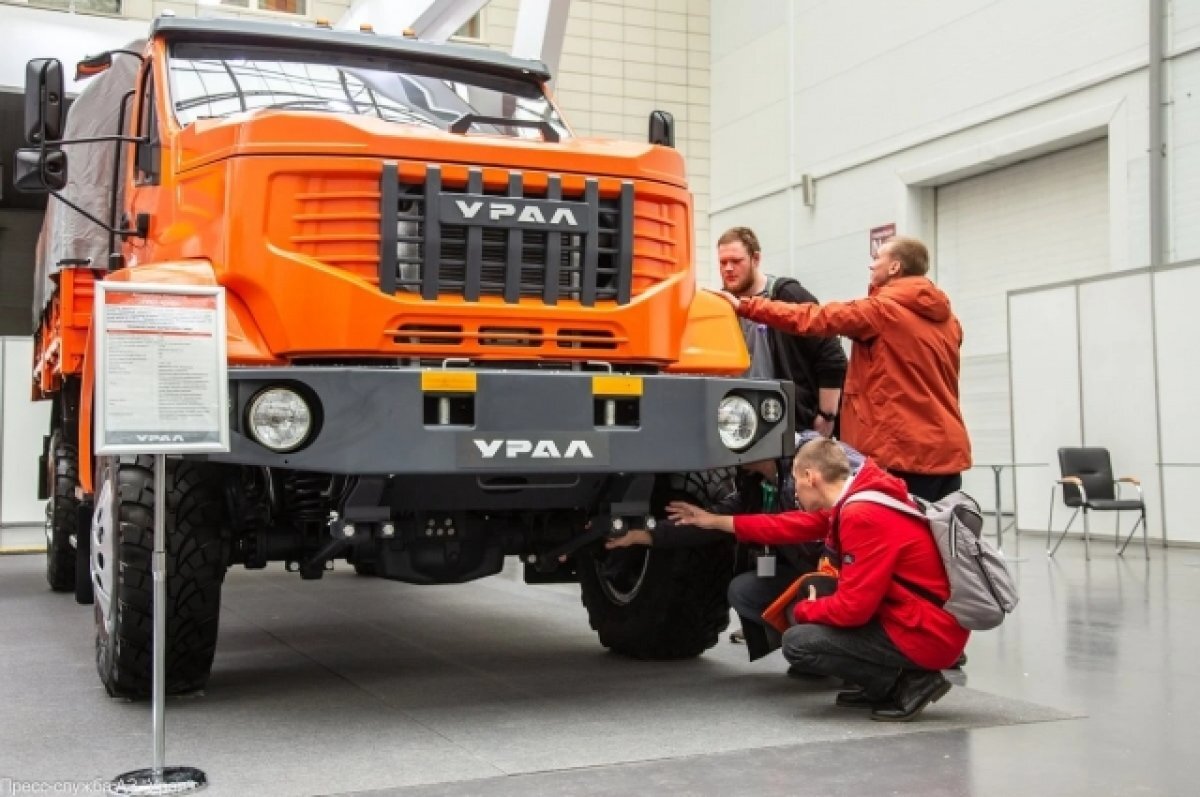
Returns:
point(873, 477)
point(919, 295)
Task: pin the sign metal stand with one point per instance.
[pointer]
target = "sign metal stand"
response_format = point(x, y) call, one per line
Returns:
point(161, 388)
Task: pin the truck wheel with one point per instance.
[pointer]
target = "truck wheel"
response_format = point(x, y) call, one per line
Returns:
point(122, 544)
point(85, 594)
point(62, 476)
point(662, 604)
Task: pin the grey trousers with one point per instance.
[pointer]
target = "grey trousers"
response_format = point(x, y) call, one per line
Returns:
point(865, 656)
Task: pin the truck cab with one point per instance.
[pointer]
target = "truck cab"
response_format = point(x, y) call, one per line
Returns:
point(456, 331)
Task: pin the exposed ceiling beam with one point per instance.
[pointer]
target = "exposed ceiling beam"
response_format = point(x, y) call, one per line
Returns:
point(431, 20)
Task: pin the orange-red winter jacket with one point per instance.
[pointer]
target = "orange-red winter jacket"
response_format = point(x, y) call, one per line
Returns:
point(900, 400)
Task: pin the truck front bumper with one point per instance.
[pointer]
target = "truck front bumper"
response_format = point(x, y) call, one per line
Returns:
point(380, 420)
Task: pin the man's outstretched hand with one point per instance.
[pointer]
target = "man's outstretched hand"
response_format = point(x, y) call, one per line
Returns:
point(629, 539)
point(685, 514)
point(726, 295)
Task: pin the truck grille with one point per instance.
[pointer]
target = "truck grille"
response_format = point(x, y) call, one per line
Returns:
point(464, 241)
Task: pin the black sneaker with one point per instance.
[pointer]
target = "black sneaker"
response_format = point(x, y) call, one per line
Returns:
point(914, 691)
point(858, 698)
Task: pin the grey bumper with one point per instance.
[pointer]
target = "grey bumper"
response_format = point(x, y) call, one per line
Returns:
point(377, 421)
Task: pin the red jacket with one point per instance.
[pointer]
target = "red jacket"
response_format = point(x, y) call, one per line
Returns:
point(900, 401)
point(876, 544)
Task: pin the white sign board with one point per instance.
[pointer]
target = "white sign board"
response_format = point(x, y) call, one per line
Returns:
point(161, 374)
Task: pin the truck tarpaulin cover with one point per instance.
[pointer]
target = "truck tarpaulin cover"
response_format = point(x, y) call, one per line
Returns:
point(67, 234)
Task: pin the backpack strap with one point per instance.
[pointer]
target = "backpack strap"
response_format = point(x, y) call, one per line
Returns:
point(876, 497)
point(883, 499)
point(776, 284)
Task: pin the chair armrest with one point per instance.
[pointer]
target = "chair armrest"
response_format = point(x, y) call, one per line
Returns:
point(1134, 480)
point(1075, 482)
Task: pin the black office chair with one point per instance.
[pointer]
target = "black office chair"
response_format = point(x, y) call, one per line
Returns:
point(1087, 484)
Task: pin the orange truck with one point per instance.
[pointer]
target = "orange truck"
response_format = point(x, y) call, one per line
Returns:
point(456, 332)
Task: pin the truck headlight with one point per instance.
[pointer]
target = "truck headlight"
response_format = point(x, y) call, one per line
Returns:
point(737, 422)
point(280, 419)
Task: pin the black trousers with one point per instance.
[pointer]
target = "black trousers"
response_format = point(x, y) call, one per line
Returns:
point(929, 486)
point(865, 656)
point(750, 595)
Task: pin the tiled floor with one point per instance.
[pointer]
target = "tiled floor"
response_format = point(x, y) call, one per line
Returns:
point(359, 685)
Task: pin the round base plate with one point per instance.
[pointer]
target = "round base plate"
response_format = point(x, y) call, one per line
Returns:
point(172, 780)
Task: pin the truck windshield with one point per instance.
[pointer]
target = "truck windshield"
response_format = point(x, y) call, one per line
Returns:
point(216, 81)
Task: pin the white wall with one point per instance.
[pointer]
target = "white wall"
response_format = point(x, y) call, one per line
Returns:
point(1093, 364)
point(884, 98)
point(887, 104)
point(22, 424)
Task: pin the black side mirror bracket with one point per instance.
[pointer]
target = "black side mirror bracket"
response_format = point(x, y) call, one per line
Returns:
point(43, 168)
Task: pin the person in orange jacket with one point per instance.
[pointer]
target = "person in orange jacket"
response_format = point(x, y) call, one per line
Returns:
point(900, 402)
point(883, 628)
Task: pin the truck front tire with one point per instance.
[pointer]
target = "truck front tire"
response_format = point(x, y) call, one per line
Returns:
point(123, 532)
point(666, 603)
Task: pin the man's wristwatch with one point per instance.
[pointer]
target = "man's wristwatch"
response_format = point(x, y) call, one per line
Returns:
point(829, 416)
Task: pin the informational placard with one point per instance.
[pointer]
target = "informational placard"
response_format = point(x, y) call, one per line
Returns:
point(880, 236)
point(161, 373)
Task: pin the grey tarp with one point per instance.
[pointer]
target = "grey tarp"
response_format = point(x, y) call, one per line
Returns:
point(66, 234)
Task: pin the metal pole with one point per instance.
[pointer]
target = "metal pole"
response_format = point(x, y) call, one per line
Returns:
point(159, 779)
point(1159, 210)
point(160, 614)
point(999, 529)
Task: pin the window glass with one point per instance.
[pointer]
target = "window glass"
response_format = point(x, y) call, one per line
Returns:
point(282, 6)
point(217, 81)
point(95, 6)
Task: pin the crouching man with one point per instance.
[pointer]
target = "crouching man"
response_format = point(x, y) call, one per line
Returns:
point(884, 628)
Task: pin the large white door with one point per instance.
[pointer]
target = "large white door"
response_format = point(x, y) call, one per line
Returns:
point(1037, 222)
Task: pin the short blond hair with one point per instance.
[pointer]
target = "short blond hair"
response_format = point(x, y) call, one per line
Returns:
point(912, 254)
point(826, 457)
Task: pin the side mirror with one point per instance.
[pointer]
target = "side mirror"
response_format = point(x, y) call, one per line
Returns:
point(662, 128)
point(36, 171)
point(44, 100)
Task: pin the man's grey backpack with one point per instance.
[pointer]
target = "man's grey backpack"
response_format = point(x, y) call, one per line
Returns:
point(982, 591)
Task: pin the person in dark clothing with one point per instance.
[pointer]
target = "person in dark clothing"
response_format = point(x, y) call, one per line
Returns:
point(760, 488)
point(815, 365)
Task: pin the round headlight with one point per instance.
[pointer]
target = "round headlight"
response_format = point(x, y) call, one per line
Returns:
point(280, 419)
point(737, 422)
point(771, 409)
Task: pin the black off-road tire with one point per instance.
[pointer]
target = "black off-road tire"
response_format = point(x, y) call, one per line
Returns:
point(85, 594)
point(195, 571)
point(62, 477)
point(667, 603)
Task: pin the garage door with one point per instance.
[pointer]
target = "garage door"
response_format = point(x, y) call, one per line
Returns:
point(1041, 221)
